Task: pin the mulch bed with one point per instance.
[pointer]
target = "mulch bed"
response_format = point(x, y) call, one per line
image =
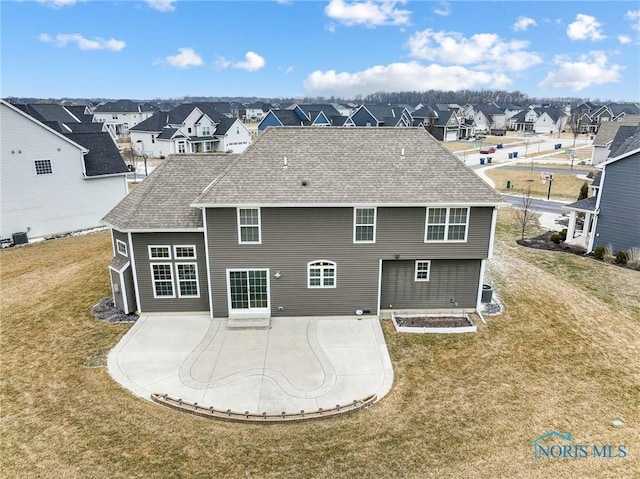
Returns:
point(107, 312)
point(433, 321)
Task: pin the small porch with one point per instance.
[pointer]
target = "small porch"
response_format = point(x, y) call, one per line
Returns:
point(582, 216)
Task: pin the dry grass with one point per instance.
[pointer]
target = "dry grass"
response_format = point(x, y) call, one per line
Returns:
point(565, 186)
point(564, 355)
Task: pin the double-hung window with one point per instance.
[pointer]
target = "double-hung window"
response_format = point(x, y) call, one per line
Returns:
point(162, 277)
point(321, 274)
point(446, 224)
point(187, 275)
point(364, 225)
point(249, 225)
point(423, 268)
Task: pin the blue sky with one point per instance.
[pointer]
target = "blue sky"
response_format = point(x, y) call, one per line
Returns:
point(342, 48)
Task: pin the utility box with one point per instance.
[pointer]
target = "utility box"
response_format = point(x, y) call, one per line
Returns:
point(20, 238)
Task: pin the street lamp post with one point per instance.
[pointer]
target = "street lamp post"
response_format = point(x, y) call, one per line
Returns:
point(144, 156)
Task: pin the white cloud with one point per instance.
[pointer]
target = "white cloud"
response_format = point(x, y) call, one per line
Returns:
point(59, 3)
point(287, 70)
point(185, 58)
point(585, 27)
point(371, 13)
point(162, 5)
point(252, 62)
point(588, 70)
point(634, 17)
point(444, 10)
point(523, 23)
point(62, 39)
point(410, 76)
point(485, 50)
point(624, 39)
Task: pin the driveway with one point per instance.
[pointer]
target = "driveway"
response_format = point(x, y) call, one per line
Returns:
point(296, 363)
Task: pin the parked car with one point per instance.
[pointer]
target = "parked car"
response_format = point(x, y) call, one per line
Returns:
point(487, 149)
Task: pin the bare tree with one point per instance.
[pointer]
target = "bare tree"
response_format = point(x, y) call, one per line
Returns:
point(524, 215)
point(573, 123)
point(131, 159)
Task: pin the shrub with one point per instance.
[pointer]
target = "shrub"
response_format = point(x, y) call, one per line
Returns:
point(590, 174)
point(633, 257)
point(563, 234)
point(622, 257)
point(584, 191)
point(608, 254)
point(599, 252)
point(556, 238)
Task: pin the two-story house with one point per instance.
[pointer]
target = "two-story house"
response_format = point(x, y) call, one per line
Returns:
point(612, 214)
point(55, 179)
point(122, 115)
point(380, 115)
point(190, 128)
point(307, 221)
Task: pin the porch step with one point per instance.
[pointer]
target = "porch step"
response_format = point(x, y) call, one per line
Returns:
point(248, 323)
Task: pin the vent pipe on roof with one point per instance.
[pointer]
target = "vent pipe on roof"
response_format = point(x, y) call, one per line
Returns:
point(402, 154)
point(284, 163)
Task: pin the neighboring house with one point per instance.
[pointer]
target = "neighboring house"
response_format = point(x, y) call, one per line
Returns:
point(589, 117)
point(55, 181)
point(302, 115)
point(254, 112)
point(122, 115)
point(602, 143)
point(380, 115)
point(539, 120)
point(488, 117)
point(306, 222)
point(612, 215)
point(190, 128)
point(444, 122)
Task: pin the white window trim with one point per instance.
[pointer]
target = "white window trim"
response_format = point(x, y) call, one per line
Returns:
point(418, 261)
point(159, 246)
point(259, 225)
point(154, 280)
point(355, 225)
point(249, 310)
point(175, 251)
point(446, 225)
point(178, 280)
point(322, 285)
point(121, 247)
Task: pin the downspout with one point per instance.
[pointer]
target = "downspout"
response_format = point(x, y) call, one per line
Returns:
point(207, 260)
point(135, 272)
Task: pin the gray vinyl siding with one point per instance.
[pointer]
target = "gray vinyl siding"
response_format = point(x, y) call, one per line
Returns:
point(117, 235)
point(619, 218)
point(141, 241)
point(448, 280)
point(293, 237)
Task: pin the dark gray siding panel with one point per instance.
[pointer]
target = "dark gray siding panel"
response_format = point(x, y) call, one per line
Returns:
point(129, 288)
point(141, 241)
point(449, 280)
point(619, 218)
point(117, 235)
point(293, 237)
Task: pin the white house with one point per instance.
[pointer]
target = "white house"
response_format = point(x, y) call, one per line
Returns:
point(190, 128)
point(122, 115)
point(54, 183)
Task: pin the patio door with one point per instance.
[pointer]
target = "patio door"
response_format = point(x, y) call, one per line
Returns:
point(248, 292)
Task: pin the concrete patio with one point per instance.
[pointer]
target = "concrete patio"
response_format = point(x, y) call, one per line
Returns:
point(294, 364)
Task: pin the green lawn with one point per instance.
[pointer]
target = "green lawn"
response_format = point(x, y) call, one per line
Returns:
point(563, 356)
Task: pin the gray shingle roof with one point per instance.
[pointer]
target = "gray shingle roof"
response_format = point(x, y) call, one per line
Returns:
point(104, 157)
point(587, 204)
point(627, 140)
point(161, 201)
point(153, 124)
point(347, 166)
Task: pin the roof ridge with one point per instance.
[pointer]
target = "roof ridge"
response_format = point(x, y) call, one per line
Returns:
point(152, 180)
point(218, 178)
